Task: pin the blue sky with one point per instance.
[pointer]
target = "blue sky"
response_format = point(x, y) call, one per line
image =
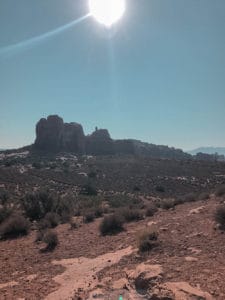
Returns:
point(158, 75)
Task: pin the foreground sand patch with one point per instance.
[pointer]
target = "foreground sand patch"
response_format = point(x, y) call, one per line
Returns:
point(80, 273)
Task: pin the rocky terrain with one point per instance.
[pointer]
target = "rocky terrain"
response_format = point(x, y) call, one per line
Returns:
point(77, 224)
point(187, 263)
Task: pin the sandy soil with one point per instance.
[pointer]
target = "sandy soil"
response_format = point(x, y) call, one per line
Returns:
point(190, 250)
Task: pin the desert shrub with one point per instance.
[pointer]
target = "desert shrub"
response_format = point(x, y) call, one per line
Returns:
point(136, 188)
point(37, 205)
point(204, 196)
point(15, 225)
point(179, 200)
point(89, 217)
point(151, 210)
point(52, 219)
point(98, 212)
point(65, 208)
point(4, 197)
point(147, 240)
point(111, 225)
point(220, 191)
point(167, 203)
point(220, 216)
point(191, 197)
point(117, 201)
point(131, 215)
point(5, 212)
point(92, 174)
point(50, 237)
point(36, 165)
point(160, 189)
point(73, 224)
point(89, 190)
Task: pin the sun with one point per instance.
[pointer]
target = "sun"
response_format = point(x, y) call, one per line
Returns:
point(107, 12)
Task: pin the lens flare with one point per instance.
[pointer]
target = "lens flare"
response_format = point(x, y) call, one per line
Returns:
point(107, 12)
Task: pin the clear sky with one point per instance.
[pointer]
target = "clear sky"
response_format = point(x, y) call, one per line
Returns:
point(158, 75)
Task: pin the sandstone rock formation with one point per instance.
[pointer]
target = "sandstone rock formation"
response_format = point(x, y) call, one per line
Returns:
point(53, 135)
point(49, 133)
point(99, 143)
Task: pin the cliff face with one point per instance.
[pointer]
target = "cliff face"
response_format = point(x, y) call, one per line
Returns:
point(99, 143)
point(49, 134)
point(53, 135)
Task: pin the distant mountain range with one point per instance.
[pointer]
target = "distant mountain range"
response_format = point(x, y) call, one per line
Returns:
point(208, 150)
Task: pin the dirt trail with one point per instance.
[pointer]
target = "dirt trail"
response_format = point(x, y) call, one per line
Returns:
point(81, 273)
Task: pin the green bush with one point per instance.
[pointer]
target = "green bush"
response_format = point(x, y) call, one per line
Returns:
point(111, 225)
point(15, 225)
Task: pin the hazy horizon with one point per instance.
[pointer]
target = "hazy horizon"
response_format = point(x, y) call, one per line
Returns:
point(156, 76)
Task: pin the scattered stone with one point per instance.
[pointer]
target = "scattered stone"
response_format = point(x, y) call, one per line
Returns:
point(196, 210)
point(191, 259)
point(183, 291)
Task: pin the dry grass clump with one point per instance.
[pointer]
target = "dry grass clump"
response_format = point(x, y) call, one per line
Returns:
point(220, 216)
point(111, 225)
point(151, 210)
point(53, 219)
point(167, 203)
point(147, 240)
point(220, 191)
point(204, 196)
point(88, 217)
point(50, 237)
point(14, 226)
point(131, 215)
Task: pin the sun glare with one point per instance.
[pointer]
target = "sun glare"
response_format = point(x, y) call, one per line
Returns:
point(107, 12)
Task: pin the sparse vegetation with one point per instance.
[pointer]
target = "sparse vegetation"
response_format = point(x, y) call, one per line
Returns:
point(151, 210)
point(130, 215)
point(50, 237)
point(111, 225)
point(52, 219)
point(167, 203)
point(204, 196)
point(89, 217)
point(147, 240)
point(37, 205)
point(15, 225)
point(220, 191)
point(89, 190)
point(5, 212)
point(220, 216)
